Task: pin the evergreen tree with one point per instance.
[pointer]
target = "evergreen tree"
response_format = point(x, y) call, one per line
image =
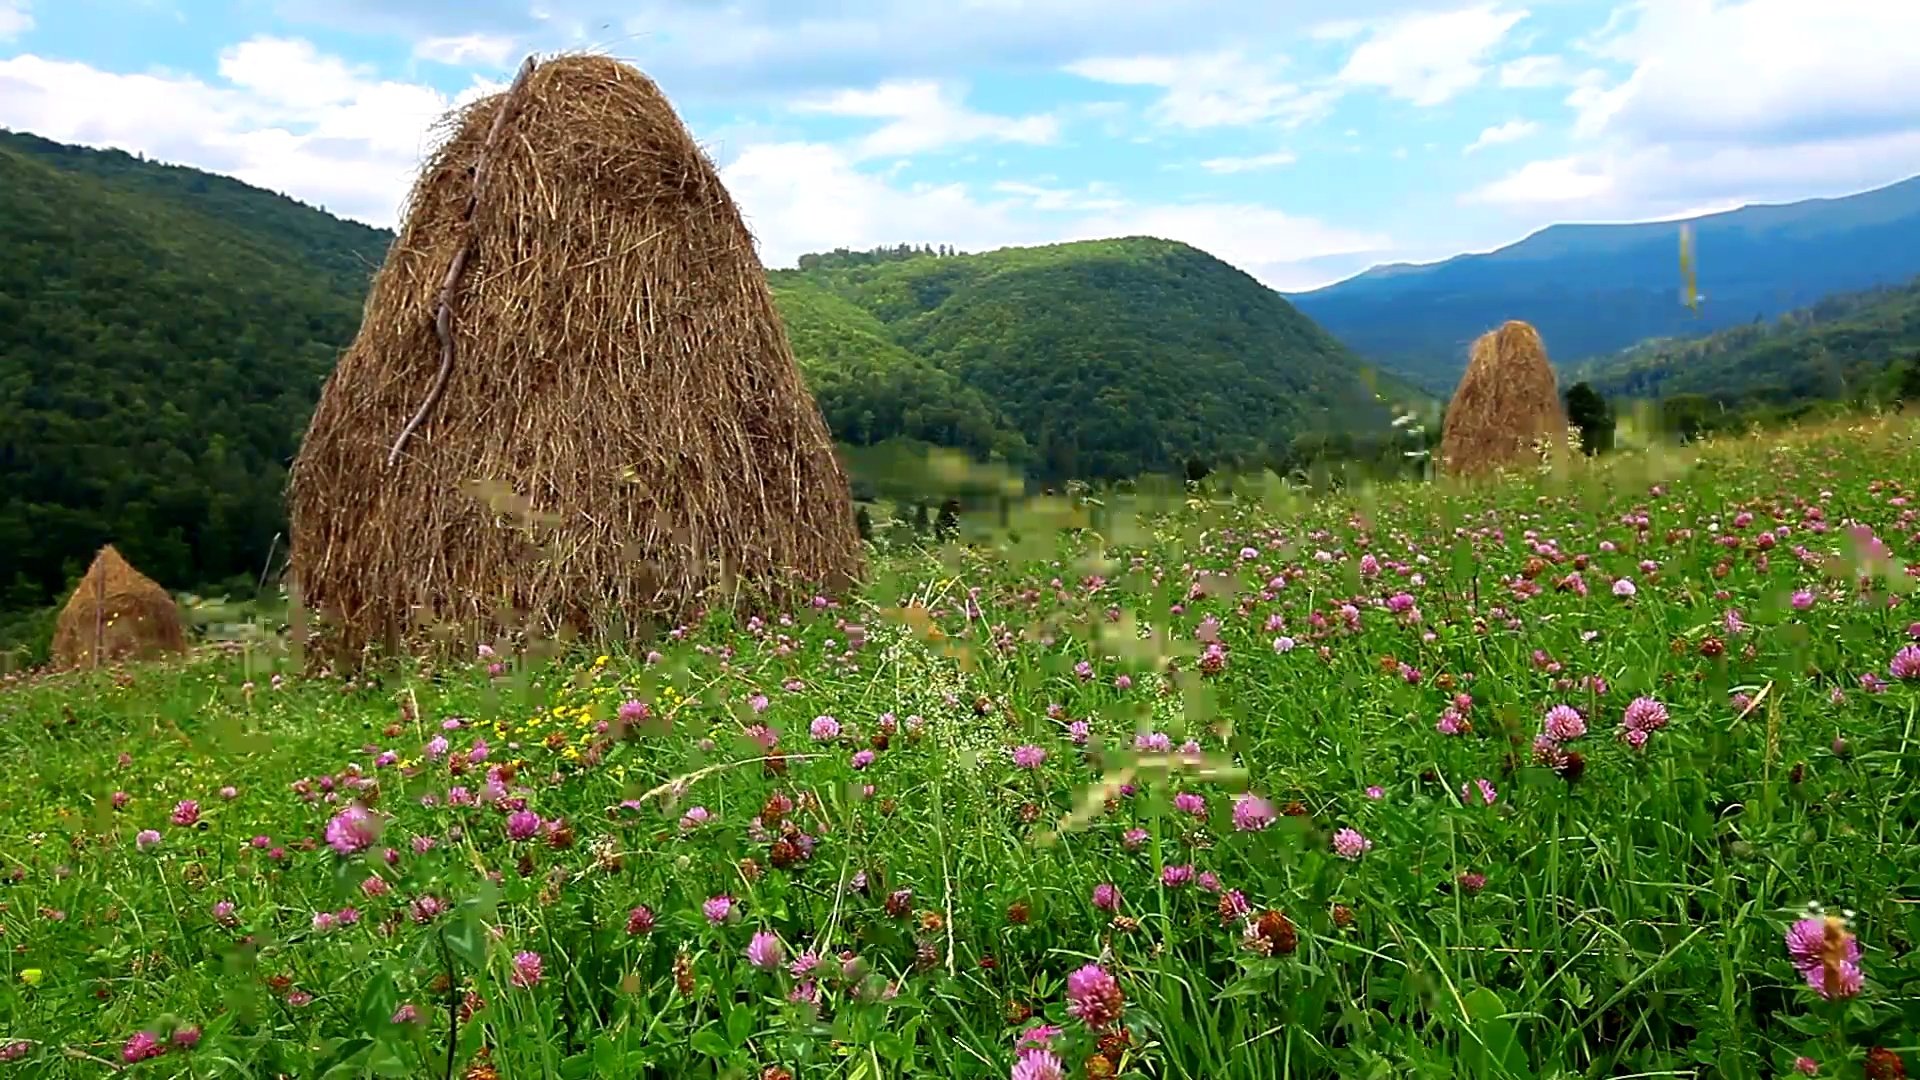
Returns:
point(1589, 412)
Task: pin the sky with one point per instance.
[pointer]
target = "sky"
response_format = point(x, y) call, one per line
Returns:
point(1300, 140)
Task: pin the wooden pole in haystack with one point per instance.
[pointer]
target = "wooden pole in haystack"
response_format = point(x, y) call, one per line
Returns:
point(443, 317)
point(99, 617)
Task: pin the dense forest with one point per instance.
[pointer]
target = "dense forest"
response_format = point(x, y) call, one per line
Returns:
point(164, 333)
point(1595, 289)
point(1849, 347)
point(1109, 358)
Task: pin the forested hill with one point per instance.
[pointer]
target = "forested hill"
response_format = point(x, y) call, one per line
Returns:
point(1850, 346)
point(1594, 289)
point(1109, 358)
point(164, 333)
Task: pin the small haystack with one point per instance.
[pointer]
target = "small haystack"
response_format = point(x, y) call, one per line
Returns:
point(571, 404)
point(1506, 405)
point(116, 613)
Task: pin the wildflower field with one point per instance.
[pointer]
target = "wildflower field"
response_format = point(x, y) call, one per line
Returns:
point(1603, 773)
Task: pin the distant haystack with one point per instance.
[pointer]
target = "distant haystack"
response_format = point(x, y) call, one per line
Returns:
point(1506, 405)
point(571, 404)
point(117, 613)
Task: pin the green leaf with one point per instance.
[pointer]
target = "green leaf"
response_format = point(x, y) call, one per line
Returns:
point(340, 1059)
point(709, 1042)
point(1490, 1047)
point(466, 939)
point(739, 1026)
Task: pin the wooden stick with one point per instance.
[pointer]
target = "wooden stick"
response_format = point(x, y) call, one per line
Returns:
point(443, 317)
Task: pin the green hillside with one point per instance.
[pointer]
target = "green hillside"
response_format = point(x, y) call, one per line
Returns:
point(159, 353)
point(1853, 346)
point(164, 333)
point(1115, 357)
point(870, 389)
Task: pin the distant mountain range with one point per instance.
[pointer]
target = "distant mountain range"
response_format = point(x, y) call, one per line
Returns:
point(1594, 290)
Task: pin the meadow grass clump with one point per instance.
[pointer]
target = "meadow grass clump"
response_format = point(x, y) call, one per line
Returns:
point(1605, 776)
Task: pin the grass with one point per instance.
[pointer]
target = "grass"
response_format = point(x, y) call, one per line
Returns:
point(550, 910)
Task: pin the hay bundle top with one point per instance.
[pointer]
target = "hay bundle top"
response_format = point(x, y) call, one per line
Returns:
point(571, 403)
point(1506, 405)
point(116, 613)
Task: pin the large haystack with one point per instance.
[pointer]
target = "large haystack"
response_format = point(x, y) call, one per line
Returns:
point(1506, 405)
point(116, 613)
point(617, 429)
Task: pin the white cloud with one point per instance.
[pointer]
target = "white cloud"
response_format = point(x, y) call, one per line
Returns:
point(1253, 163)
point(926, 115)
point(1553, 181)
point(1735, 100)
point(1216, 89)
point(282, 116)
point(1429, 59)
point(15, 19)
point(1530, 72)
point(802, 197)
point(461, 50)
point(1511, 131)
point(1095, 196)
point(756, 49)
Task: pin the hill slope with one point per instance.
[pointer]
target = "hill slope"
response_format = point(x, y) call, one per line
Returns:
point(164, 333)
point(1114, 357)
point(1596, 289)
point(1843, 347)
point(159, 352)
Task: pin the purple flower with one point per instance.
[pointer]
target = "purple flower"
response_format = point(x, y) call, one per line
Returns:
point(527, 969)
point(1827, 954)
point(1623, 588)
point(1251, 813)
point(1106, 896)
point(640, 920)
point(1038, 1065)
point(695, 817)
point(1038, 1037)
point(185, 813)
point(1094, 997)
point(1905, 664)
point(1190, 803)
point(861, 759)
point(146, 839)
point(1178, 876)
point(1078, 731)
point(1349, 844)
point(1029, 756)
point(718, 909)
point(523, 825)
point(1564, 722)
point(824, 728)
point(1644, 714)
point(352, 830)
point(141, 1046)
point(764, 951)
point(1480, 792)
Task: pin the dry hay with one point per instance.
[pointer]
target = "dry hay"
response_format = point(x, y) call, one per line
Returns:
point(116, 613)
point(619, 432)
point(1506, 406)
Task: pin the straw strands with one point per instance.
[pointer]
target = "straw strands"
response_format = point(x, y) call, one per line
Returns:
point(571, 405)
